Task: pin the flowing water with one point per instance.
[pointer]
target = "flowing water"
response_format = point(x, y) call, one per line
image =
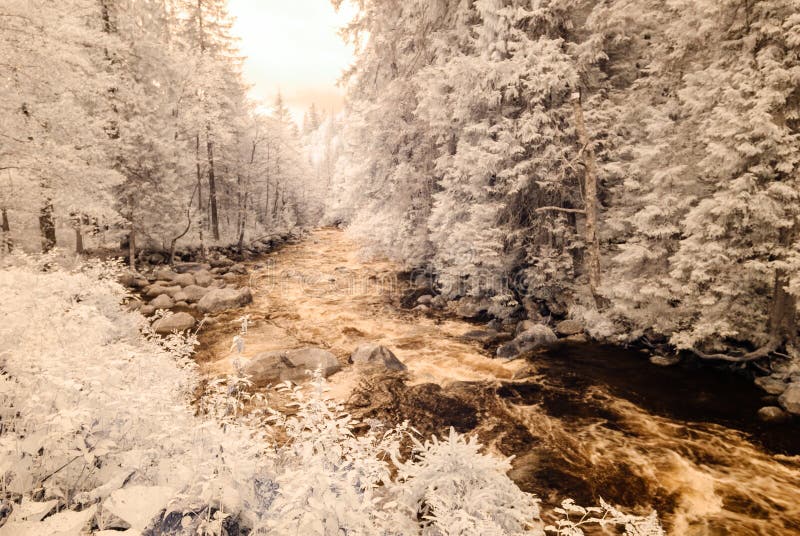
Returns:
point(583, 420)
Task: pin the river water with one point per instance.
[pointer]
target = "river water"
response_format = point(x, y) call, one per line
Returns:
point(582, 420)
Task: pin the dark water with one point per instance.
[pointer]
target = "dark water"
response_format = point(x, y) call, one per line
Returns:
point(684, 440)
point(691, 391)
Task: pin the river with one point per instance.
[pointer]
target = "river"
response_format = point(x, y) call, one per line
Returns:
point(582, 420)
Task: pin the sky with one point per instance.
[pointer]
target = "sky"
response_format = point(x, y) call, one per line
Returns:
point(293, 46)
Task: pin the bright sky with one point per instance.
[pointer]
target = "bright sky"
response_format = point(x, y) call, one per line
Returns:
point(293, 46)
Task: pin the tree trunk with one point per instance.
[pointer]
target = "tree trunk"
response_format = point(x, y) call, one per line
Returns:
point(590, 203)
point(6, 229)
point(200, 207)
point(77, 220)
point(783, 316)
point(132, 248)
point(47, 226)
point(212, 186)
point(243, 224)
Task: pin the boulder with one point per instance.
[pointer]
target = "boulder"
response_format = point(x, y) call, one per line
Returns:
point(156, 289)
point(539, 336)
point(425, 299)
point(203, 278)
point(164, 274)
point(172, 291)
point(217, 300)
point(771, 384)
point(376, 355)
point(772, 414)
point(484, 336)
point(183, 304)
point(525, 325)
point(421, 308)
point(193, 293)
point(220, 262)
point(176, 322)
point(665, 360)
point(568, 327)
point(183, 280)
point(471, 308)
point(162, 302)
point(127, 279)
point(230, 277)
point(190, 267)
point(790, 399)
point(238, 269)
point(292, 365)
point(439, 302)
point(147, 310)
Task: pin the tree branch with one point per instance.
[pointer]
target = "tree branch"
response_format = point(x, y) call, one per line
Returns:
point(755, 355)
point(562, 209)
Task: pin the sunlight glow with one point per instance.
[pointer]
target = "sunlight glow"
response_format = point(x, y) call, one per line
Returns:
point(293, 47)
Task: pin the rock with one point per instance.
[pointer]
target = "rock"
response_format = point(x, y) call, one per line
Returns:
point(665, 360)
point(159, 288)
point(790, 399)
point(484, 336)
point(439, 302)
point(191, 267)
point(154, 290)
point(421, 308)
point(471, 308)
point(133, 305)
point(772, 414)
point(230, 277)
point(164, 274)
point(193, 293)
point(771, 384)
point(292, 365)
point(157, 258)
point(180, 297)
point(425, 299)
point(183, 304)
point(147, 310)
point(203, 278)
point(509, 350)
point(423, 281)
point(238, 269)
point(374, 354)
point(172, 291)
point(220, 262)
point(176, 322)
point(539, 336)
point(183, 280)
point(127, 279)
point(525, 325)
point(565, 328)
point(162, 302)
point(225, 298)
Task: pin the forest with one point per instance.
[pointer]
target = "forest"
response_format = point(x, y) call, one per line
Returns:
point(616, 174)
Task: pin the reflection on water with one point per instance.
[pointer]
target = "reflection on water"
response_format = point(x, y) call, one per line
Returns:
point(582, 420)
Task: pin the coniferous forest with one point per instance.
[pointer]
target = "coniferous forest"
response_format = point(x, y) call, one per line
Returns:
point(546, 254)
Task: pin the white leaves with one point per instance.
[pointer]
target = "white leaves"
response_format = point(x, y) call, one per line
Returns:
point(138, 505)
